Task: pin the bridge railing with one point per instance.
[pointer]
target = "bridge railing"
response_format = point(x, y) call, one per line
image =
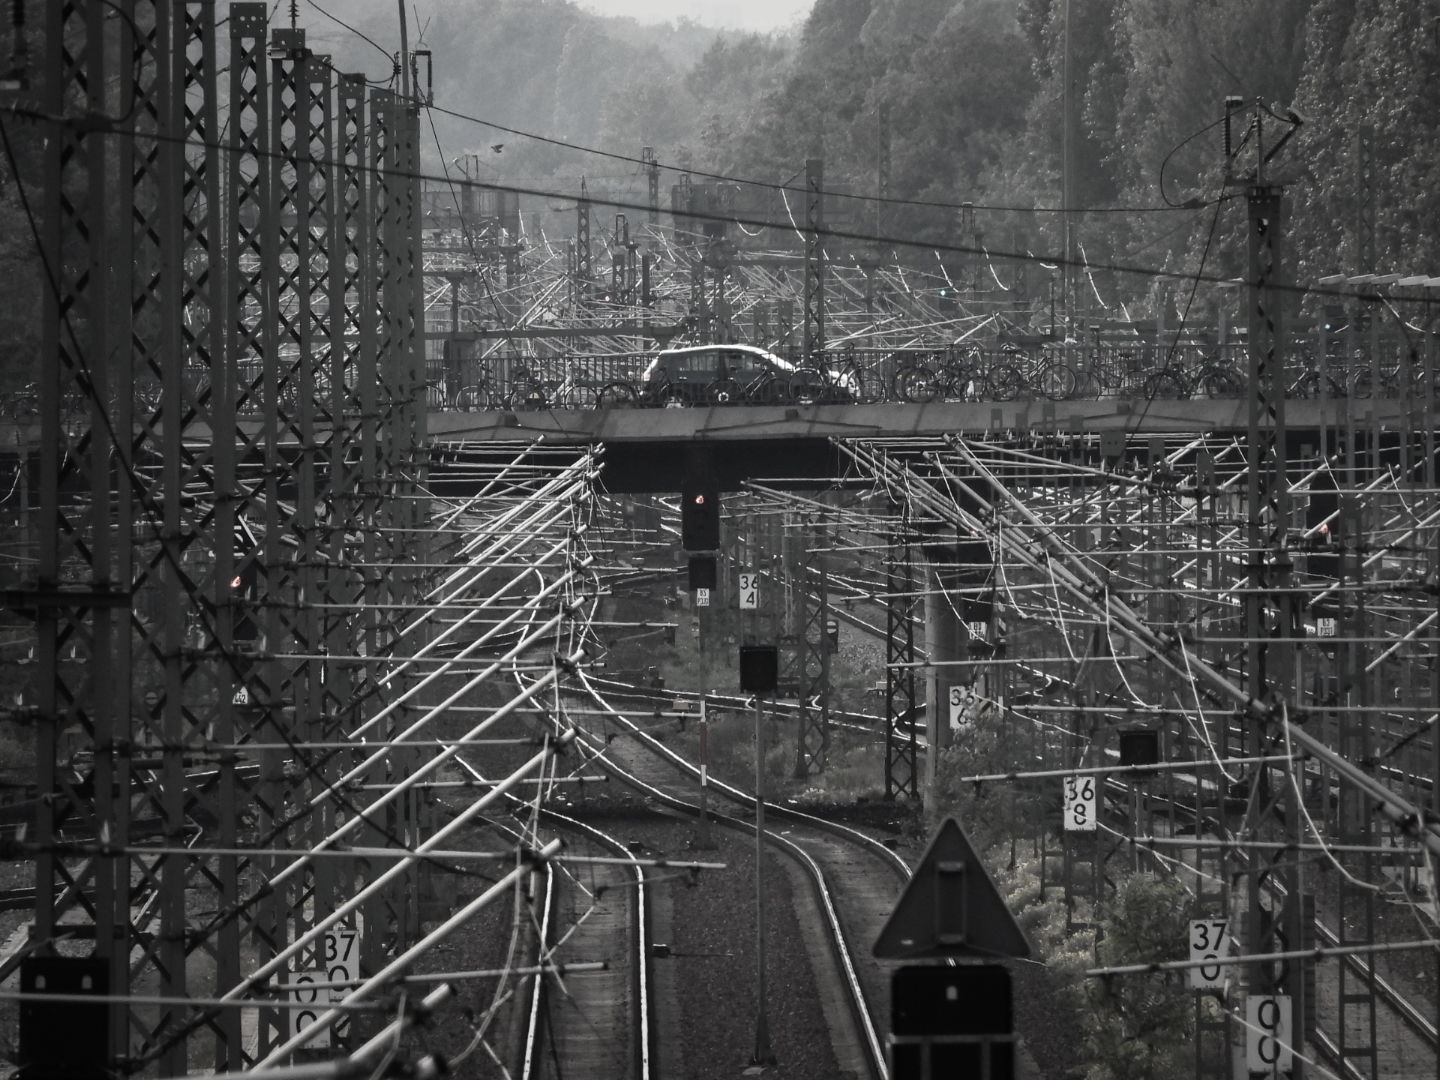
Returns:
point(1336, 366)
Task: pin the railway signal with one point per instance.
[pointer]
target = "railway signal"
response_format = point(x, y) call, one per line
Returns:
point(953, 1020)
point(700, 519)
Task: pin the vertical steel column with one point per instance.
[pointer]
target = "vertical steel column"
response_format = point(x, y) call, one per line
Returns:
point(1356, 1035)
point(320, 456)
point(902, 777)
point(1269, 606)
point(1213, 1057)
point(414, 509)
point(814, 598)
point(208, 398)
point(175, 693)
point(250, 337)
point(363, 424)
point(652, 182)
point(399, 267)
point(790, 599)
point(584, 256)
point(81, 693)
point(389, 397)
point(288, 416)
point(814, 330)
point(618, 253)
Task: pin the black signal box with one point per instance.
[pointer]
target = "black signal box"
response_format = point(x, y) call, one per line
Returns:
point(700, 519)
point(1140, 746)
point(952, 1022)
point(759, 669)
point(702, 572)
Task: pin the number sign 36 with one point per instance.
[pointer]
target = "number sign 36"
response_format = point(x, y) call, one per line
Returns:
point(1080, 803)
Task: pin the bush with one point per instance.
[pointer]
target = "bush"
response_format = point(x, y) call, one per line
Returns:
point(1140, 1027)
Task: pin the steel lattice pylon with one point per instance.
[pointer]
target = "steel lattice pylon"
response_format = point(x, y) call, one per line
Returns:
point(902, 775)
point(200, 516)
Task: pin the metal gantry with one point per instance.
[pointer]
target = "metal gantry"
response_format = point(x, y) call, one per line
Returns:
point(226, 512)
point(1141, 556)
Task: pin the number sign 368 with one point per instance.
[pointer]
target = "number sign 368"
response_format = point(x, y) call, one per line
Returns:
point(1080, 803)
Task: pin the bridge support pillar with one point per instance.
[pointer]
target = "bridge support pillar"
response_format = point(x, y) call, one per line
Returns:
point(944, 643)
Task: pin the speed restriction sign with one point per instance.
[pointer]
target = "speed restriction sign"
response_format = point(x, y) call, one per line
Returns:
point(1080, 804)
point(1267, 1035)
point(342, 963)
point(1209, 940)
point(307, 1001)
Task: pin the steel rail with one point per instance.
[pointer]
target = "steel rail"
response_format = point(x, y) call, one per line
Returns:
point(854, 836)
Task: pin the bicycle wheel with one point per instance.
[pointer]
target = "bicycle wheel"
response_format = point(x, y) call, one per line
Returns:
point(1006, 382)
point(584, 395)
point(851, 384)
point(807, 386)
point(724, 392)
point(472, 399)
point(916, 383)
point(527, 394)
point(1222, 383)
point(617, 395)
point(1057, 382)
point(1165, 384)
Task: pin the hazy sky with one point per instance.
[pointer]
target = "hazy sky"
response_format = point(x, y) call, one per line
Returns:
point(736, 14)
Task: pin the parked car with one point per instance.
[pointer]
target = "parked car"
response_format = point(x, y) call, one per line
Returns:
point(733, 375)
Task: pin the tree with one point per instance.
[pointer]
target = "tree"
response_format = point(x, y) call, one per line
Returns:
point(1139, 1026)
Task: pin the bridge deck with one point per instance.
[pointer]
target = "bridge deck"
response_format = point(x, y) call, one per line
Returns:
point(773, 422)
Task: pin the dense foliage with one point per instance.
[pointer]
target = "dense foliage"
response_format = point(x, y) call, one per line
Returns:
point(973, 92)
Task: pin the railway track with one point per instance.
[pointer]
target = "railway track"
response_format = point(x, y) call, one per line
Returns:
point(590, 1017)
point(854, 878)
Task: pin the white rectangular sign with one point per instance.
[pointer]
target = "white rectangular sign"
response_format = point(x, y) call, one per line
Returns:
point(307, 1002)
point(342, 964)
point(957, 706)
point(1267, 1034)
point(1326, 626)
point(1080, 803)
point(1209, 940)
point(749, 591)
point(702, 597)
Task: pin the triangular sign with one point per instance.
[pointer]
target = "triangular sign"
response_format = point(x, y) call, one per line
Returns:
point(950, 908)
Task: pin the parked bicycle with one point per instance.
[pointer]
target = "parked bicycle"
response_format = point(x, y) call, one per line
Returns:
point(1020, 374)
point(945, 375)
point(1212, 380)
point(530, 391)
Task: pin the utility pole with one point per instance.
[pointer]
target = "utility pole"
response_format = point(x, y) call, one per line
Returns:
point(814, 340)
point(763, 1055)
point(652, 181)
point(1067, 176)
point(1270, 611)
